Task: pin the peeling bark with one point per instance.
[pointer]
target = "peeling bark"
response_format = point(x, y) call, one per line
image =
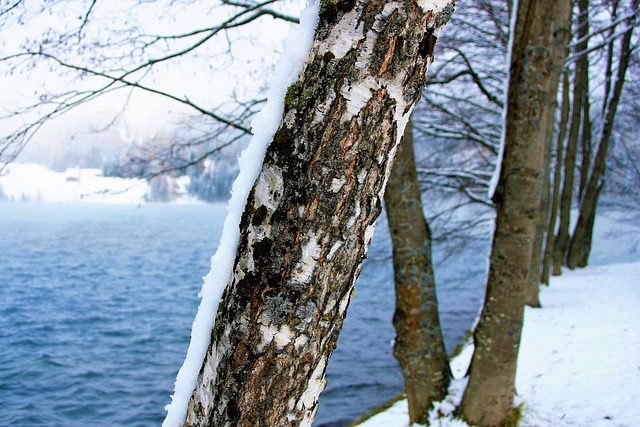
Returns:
point(491, 388)
point(310, 217)
point(419, 346)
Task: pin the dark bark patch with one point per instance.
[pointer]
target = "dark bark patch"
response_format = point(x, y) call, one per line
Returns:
point(428, 44)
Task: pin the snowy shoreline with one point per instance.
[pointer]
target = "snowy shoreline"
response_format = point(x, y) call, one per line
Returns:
point(576, 365)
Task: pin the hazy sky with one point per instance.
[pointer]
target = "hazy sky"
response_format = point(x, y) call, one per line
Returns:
point(236, 63)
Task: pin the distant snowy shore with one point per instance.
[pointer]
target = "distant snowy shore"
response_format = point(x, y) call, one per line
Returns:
point(30, 182)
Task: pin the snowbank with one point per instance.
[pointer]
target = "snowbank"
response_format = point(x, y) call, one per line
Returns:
point(578, 363)
point(30, 182)
point(33, 182)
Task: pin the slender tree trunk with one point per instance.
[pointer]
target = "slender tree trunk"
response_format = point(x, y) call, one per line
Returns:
point(558, 51)
point(580, 248)
point(419, 346)
point(488, 398)
point(580, 83)
point(532, 296)
point(557, 178)
point(583, 65)
point(310, 216)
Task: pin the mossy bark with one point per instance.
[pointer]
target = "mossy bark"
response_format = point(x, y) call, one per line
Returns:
point(309, 219)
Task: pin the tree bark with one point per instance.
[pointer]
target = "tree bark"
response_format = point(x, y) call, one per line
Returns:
point(580, 82)
point(310, 216)
point(540, 25)
point(583, 66)
point(558, 51)
point(557, 178)
point(581, 240)
point(419, 346)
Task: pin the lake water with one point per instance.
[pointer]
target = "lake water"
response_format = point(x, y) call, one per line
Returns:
point(97, 301)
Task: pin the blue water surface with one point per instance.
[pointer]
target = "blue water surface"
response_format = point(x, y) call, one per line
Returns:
point(97, 301)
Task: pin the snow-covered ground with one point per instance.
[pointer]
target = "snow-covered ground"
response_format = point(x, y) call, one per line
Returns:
point(22, 182)
point(579, 361)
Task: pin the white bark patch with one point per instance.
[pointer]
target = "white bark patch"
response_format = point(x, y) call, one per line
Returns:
point(323, 109)
point(315, 386)
point(337, 184)
point(357, 96)
point(283, 337)
point(300, 342)
point(269, 189)
point(368, 235)
point(271, 334)
point(435, 6)
point(334, 249)
point(330, 305)
point(209, 372)
point(267, 332)
point(355, 216)
point(310, 255)
point(344, 302)
point(344, 36)
point(362, 175)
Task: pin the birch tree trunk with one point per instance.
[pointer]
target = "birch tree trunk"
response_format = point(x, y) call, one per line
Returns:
point(539, 26)
point(419, 346)
point(310, 217)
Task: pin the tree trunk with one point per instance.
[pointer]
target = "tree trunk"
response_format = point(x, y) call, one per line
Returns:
point(557, 178)
point(539, 26)
point(580, 247)
point(583, 65)
point(419, 346)
point(310, 216)
point(580, 83)
point(559, 52)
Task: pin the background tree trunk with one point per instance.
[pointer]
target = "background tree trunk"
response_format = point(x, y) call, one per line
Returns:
point(557, 178)
point(491, 388)
point(419, 346)
point(580, 84)
point(309, 219)
point(580, 247)
point(583, 66)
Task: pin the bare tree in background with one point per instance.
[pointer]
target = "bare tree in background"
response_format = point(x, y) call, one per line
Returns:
point(419, 345)
point(308, 221)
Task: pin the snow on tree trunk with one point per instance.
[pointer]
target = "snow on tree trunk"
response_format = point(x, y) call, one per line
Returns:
point(310, 216)
point(419, 346)
point(489, 396)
